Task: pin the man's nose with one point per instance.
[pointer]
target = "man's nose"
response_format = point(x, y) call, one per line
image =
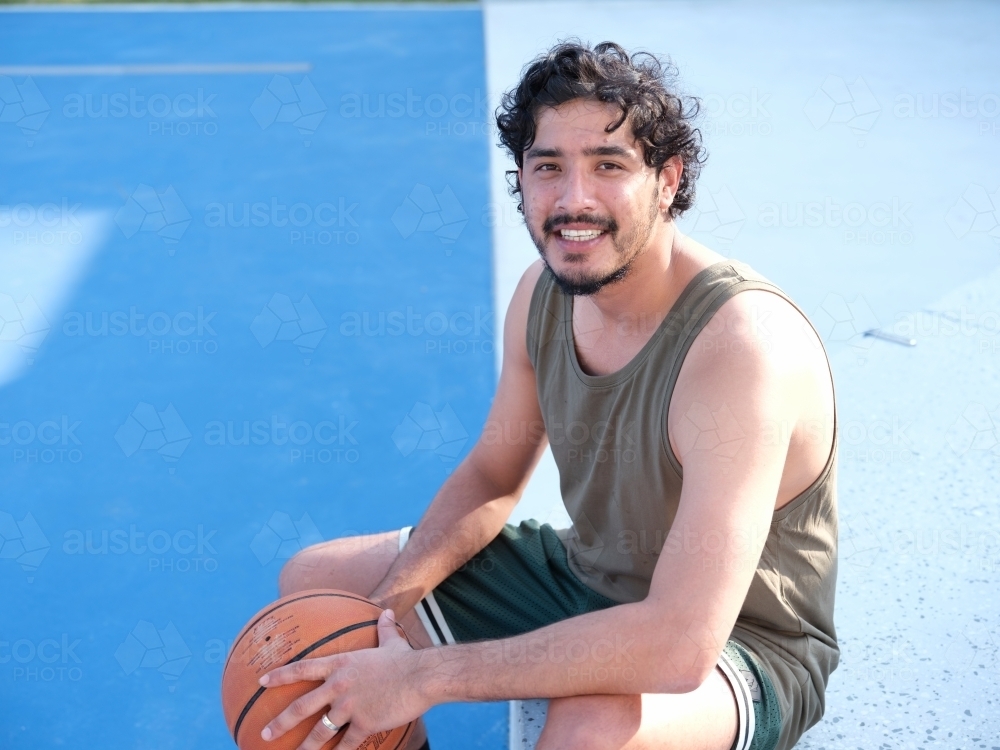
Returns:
point(577, 194)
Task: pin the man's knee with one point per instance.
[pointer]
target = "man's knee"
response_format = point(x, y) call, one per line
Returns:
point(356, 564)
point(299, 572)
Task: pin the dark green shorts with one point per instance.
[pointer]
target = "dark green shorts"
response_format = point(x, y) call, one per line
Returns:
point(521, 581)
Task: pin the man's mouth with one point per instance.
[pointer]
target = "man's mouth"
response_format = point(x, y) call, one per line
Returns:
point(580, 235)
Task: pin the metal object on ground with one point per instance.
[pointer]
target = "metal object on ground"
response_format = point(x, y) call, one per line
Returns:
point(878, 333)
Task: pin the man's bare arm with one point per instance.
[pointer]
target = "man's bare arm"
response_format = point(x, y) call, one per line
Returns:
point(473, 504)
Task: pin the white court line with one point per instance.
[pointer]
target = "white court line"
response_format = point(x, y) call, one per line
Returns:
point(146, 69)
point(238, 7)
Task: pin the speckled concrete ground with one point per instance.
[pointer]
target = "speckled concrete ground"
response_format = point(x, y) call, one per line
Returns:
point(918, 614)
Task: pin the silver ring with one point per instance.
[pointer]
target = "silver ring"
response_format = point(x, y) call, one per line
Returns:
point(329, 724)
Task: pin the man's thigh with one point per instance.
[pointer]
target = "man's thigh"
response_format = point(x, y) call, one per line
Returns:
point(704, 719)
point(356, 564)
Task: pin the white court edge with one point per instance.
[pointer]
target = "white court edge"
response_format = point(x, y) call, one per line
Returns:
point(153, 69)
point(213, 7)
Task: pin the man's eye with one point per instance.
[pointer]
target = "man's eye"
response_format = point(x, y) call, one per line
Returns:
point(608, 165)
point(546, 167)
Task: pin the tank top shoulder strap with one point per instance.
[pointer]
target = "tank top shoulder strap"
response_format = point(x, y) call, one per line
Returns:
point(710, 289)
point(546, 313)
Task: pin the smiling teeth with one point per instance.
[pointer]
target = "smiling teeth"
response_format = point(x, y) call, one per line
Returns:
point(579, 235)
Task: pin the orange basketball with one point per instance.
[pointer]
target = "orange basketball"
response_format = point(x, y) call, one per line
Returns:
point(305, 625)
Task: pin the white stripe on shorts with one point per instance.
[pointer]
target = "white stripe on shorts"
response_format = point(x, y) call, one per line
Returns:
point(746, 721)
point(427, 608)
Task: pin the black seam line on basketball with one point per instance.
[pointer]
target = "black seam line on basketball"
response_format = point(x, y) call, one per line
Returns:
point(299, 656)
point(433, 620)
point(406, 737)
point(249, 627)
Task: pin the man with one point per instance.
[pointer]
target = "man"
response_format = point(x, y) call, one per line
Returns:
point(690, 410)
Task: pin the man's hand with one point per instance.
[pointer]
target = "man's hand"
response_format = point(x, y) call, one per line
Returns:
point(371, 690)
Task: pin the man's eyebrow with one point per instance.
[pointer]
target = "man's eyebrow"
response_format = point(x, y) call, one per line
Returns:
point(544, 153)
point(607, 151)
point(554, 153)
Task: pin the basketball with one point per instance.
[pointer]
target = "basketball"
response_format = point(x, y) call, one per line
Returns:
point(304, 625)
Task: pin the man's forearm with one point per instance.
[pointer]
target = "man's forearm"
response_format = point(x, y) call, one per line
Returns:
point(465, 515)
point(628, 649)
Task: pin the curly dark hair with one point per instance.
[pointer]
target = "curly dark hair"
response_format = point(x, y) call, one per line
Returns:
point(643, 87)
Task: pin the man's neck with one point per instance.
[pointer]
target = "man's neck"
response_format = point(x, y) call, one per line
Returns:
point(655, 280)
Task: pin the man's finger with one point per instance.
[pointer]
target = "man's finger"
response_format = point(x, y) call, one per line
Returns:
point(298, 711)
point(307, 669)
point(319, 736)
point(353, 738)
point(387, 632)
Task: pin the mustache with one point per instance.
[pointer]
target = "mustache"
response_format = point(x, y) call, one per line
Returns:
point(606, 223)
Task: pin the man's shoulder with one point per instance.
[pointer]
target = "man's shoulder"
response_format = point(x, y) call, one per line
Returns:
point(526, 286)
point(762, 327)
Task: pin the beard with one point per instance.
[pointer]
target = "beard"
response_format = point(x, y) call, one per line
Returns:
point(628, 247)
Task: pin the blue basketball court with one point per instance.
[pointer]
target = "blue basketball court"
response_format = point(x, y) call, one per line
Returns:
point(247, 306)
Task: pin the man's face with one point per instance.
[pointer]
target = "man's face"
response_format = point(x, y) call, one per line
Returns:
point(591, 204)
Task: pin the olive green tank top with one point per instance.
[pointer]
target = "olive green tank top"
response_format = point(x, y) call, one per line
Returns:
point(621, 482)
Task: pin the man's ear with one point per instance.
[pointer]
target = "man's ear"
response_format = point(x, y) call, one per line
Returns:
point(670, 180)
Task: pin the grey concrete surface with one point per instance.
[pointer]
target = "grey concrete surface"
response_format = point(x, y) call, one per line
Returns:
point(851, 108)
